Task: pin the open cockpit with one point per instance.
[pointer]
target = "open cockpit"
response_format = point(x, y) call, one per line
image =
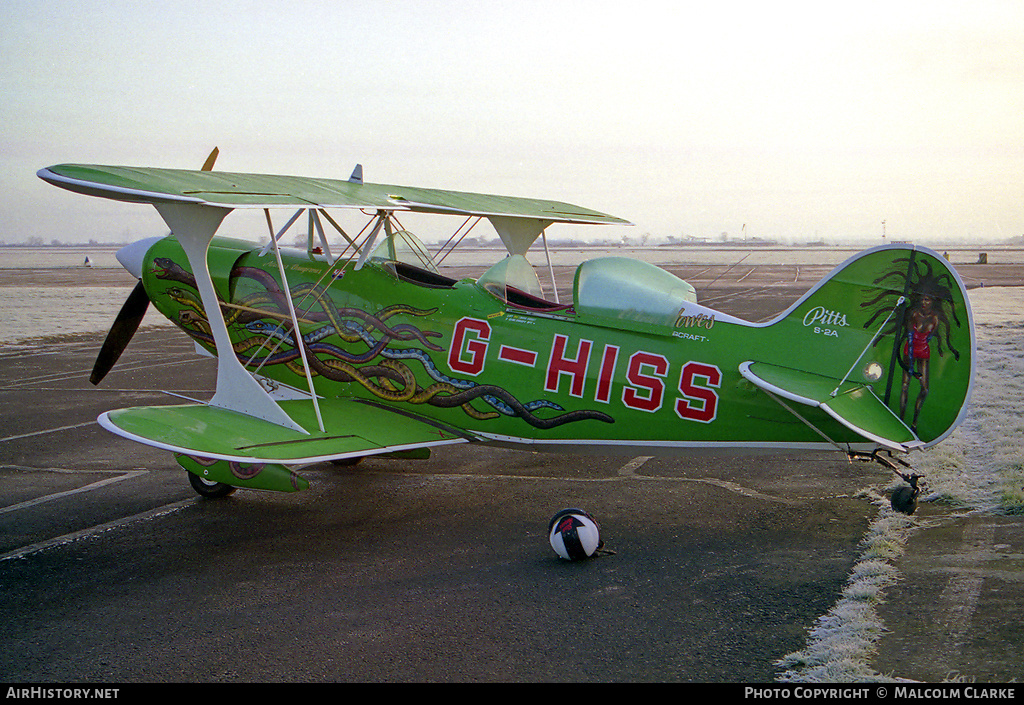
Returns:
point(618, 292)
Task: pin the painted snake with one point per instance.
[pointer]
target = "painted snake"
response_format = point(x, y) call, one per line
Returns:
point(395, 381)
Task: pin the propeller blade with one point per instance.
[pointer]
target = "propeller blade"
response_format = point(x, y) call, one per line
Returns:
point(125, 325)
point(208, 165)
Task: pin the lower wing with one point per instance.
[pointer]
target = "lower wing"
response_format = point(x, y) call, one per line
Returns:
point(352, 428)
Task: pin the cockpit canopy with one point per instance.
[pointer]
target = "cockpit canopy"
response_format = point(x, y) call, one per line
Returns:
point(630, 293)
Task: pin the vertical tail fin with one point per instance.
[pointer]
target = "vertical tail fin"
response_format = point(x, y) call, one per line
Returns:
point(894, 320)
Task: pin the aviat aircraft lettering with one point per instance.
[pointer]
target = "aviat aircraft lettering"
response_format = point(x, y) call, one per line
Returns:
point(324, 357)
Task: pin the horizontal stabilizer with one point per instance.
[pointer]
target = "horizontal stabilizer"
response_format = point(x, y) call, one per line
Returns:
point(852, 404)
point(352, 428)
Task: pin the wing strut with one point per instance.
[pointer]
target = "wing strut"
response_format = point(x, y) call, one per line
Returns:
point(551, 270)
point(518, 233)
point(280, 234)
point(314, 221)
point(440, 255)
point(297, 333)
point(194, 226)
point(383, 218)
point(341, 231)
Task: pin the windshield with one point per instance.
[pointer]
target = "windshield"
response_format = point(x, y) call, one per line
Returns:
point(405, 247)
point(513, 271)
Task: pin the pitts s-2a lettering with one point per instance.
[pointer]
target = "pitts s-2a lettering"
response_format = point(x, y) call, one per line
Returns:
point(375, 351)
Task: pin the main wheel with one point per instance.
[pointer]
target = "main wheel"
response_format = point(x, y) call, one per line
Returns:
point(210, 490)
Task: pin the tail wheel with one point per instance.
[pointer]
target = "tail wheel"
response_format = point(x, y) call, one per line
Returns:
point(210, 490)
point(904, 499)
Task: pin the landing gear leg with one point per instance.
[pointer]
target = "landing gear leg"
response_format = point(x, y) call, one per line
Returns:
point(903, 499)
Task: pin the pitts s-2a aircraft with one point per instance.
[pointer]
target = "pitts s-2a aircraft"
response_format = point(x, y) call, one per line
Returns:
point(374, 351)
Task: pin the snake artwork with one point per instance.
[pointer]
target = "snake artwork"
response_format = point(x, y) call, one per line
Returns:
point(269, 339)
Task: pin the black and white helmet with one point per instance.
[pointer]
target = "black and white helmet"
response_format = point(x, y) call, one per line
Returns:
point(574, 534)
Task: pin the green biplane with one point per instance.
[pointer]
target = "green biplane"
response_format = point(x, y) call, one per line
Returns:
point(324, 357)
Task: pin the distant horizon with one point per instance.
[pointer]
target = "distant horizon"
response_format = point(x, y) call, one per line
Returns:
point(650, 243)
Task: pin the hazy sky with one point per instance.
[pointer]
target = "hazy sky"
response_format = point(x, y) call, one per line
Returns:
point(797, 119)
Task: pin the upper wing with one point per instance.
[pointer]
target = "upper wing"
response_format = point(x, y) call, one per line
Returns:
point(230, 190)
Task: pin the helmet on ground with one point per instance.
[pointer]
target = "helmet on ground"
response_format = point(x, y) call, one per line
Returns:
point(574, 534)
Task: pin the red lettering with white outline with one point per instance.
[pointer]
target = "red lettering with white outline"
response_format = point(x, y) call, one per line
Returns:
point(477, 348)
point(650, 400)
point(518, 356)
point(604, 377)
point(644, 388)
point(698, 403)
point(576, 368)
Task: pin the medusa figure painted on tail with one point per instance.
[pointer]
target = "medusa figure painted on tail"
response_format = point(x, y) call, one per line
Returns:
point(927, 313)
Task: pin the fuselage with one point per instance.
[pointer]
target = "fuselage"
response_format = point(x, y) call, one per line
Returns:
point(509, 368)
